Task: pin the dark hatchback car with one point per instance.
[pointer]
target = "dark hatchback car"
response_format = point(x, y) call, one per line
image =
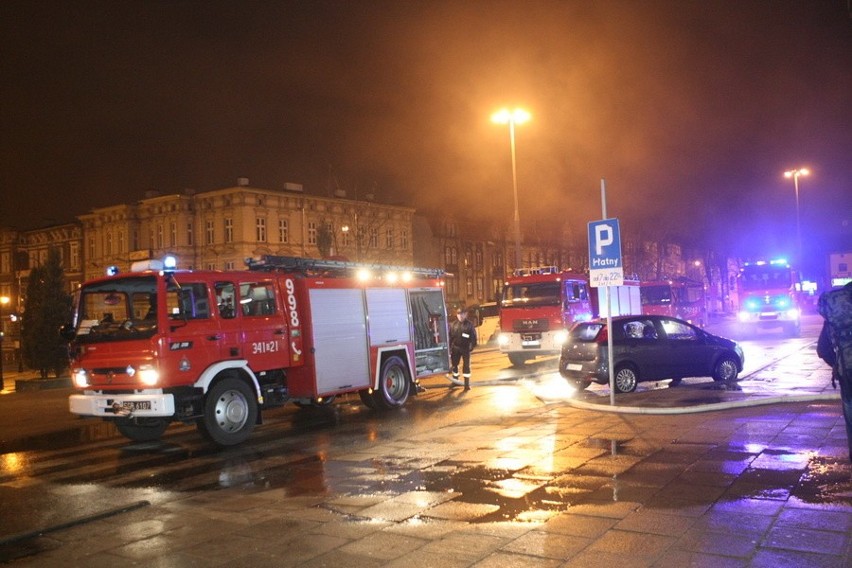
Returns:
point(647, 348)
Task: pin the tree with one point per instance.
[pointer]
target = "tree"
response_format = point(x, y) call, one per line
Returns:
point(47, 308)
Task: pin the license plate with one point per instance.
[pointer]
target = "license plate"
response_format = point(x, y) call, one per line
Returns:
point(574, 367)
point(530, 344)
point(136, 405)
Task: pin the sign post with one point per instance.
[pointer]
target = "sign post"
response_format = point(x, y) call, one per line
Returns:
point(606, 269)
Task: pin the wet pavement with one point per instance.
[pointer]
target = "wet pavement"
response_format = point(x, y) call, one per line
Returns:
point(515, 473)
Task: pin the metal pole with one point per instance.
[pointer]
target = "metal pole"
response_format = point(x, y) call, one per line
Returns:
point(2, 384)
point(517, 218)
point(610, 356)
point(798, 223)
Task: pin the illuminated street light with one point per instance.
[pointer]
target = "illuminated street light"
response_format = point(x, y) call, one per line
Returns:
point(513, 117)
point(3, 301)
point(795, 175)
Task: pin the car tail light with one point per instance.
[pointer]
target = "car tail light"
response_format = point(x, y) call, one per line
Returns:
point(602, 336)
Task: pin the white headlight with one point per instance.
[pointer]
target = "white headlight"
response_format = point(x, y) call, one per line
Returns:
point(503, 339)
point(81, 379)
point(560, 337)
point(149, 376)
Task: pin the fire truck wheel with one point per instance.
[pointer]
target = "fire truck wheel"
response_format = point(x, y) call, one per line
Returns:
point(517, 359)
point(367, 398)
point(230, 412)
point(142, 429)
point(626, 379)
point(725, 369)
point(394, 384)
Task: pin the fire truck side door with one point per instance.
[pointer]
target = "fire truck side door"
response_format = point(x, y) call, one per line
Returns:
point(193, 338)
point(264, 338)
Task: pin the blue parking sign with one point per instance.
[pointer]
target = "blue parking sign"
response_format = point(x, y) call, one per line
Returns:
point(605, 265)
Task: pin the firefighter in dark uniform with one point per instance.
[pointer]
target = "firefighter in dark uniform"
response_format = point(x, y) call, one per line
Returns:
point(462, 342)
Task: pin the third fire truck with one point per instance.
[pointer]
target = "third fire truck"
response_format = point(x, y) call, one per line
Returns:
point(158, 345)
point(769, 296)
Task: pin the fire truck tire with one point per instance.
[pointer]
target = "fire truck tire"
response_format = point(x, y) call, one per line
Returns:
point(394, 384)
point(517, 359)
point(142, 429)
point(626, 379)
point(367, 398)
point(230, 412)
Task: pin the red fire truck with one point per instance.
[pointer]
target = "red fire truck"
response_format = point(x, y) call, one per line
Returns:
point(769, 296)
point(537, 307)
point(678, 297)
point(158, 345)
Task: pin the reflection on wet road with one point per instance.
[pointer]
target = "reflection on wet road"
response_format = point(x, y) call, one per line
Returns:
point(498, 455)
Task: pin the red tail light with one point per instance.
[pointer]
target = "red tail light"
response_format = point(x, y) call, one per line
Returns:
point(602, 336)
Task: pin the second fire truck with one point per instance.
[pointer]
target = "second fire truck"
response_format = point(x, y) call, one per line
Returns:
point(158, 345)
point(769, 294)
point(537, 307)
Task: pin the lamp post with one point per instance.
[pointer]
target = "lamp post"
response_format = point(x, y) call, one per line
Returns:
point(3, 301)
point(513, 117)
point(795, 175)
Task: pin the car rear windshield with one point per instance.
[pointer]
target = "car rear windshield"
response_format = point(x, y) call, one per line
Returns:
point(586, 331)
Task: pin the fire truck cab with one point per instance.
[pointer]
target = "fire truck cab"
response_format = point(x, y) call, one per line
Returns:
point(769, 297)
point(677, 297)
point(216, 348)
point(537, 308)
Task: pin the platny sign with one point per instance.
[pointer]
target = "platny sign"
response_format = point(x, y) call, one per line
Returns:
point(605, 267)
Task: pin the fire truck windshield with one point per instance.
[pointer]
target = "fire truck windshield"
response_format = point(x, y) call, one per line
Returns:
point(764, 277)
point(655, 295)
point(117, 309)
point(532, 294)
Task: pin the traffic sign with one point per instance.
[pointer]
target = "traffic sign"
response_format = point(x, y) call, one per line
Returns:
point(605, 265)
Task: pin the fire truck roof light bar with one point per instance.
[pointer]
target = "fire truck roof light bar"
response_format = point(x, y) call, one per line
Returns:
point(274, 262)
point(535, 270)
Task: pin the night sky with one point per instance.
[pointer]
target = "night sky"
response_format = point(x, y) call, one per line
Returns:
point(691, 110)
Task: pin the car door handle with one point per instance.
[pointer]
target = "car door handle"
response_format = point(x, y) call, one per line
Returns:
point(216, 337)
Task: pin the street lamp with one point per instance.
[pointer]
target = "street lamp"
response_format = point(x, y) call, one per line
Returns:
point(3, 301)
point(513, 117)
point(795, 175)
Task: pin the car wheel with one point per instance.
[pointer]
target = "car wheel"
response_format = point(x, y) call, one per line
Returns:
point(726, 369)
point(626, 379)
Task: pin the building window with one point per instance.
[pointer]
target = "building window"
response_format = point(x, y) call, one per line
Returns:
point(189, 239)
point(91, 247)
point(211, 266)
point(480, 287)
point(374, 238)
point(109, 243)
point(478, 257)
point(209, 234)
point(5, 262)
point(345, 239)
point(121, 247)
point(389, 238)
point(160, 242)
point(73, 256)
point(172, 234)
point(312, 233)
point(260, 229)
point(229, 230)
point(229, 265)
point(468, 284)
point(283, 231)
point(403, 239)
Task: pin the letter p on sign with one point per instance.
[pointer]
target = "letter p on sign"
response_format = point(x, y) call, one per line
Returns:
point(603, 238)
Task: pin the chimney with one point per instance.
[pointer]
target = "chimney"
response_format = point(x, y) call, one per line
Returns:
point(243, 182)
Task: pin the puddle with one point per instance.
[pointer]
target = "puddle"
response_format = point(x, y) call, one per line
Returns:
point(827, 481)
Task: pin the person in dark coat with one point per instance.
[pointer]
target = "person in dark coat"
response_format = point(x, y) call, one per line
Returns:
point(835, 347)
point(462, 342)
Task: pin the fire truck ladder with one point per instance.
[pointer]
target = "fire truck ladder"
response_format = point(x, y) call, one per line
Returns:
point(271, 263)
